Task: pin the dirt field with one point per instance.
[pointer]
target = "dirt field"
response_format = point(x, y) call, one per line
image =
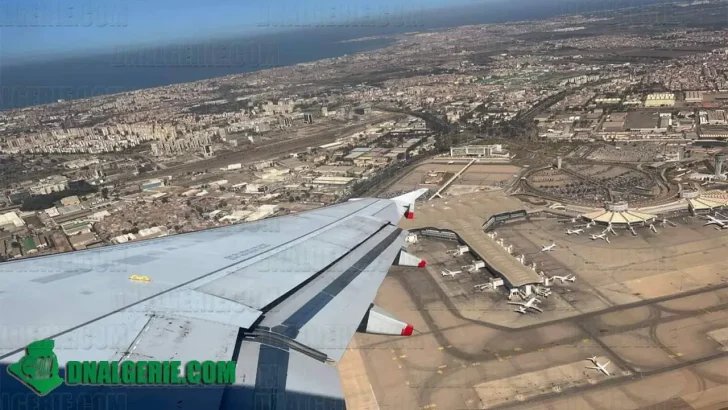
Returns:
point(647, 304)
point(477, 177)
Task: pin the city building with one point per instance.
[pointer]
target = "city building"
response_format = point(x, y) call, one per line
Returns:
point(694, 96)
point(70, 200)
point(76, 228)
point(660, 100)
point(618, 214)
point(56, 183)
point(11, 220)
point(337, 181)
point(478, 151)
point(81, 241)
point(716, 117)
point(152, 184)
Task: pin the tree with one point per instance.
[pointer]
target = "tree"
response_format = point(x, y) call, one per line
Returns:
point(105, 193)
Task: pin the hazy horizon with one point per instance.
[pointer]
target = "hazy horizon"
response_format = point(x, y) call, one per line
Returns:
point(49, 40)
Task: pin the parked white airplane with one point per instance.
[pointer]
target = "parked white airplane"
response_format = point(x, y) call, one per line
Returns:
point(567, 278)
point(545, 248)
point(590, 224)
point(603, 235)
point(522, 310)
point(601, 367)
point(450, 273)
point(723, 223)
point(575, 231)
point(530, 304)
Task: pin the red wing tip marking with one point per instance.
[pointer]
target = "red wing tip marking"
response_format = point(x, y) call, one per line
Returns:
point(409, 215)
point(422, 264)
point(407, 331)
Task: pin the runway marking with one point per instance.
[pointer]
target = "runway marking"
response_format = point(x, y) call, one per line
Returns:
point(440, 348)
point(403, 356)
point(517, 349)
point(394, 358)
point(439, 372)
point(399, 366)
point(429, 406)
point(442, 367)
point(585, 341)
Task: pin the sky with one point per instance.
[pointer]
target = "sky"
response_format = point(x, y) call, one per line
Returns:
point(32, 28)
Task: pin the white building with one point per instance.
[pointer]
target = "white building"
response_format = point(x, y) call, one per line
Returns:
point(660, 100)
point(11, 218)
point(694, 96)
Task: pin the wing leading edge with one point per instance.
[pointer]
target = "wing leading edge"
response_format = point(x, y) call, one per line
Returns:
point(284, 311)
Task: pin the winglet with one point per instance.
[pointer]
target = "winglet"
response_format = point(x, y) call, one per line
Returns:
point(406, 202)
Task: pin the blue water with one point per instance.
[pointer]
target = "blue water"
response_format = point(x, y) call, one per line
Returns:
point(129, 69)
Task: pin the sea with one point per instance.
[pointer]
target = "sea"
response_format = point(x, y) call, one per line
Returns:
point(127, 69)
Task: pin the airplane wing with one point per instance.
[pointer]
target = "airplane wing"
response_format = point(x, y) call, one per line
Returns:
point(281, 297)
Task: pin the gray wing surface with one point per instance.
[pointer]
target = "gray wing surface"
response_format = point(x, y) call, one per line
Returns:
point(282, 297)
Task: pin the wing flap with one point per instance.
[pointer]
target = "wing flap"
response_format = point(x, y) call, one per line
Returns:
point(325, 314)
point(333, 327)
point(271, 376)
